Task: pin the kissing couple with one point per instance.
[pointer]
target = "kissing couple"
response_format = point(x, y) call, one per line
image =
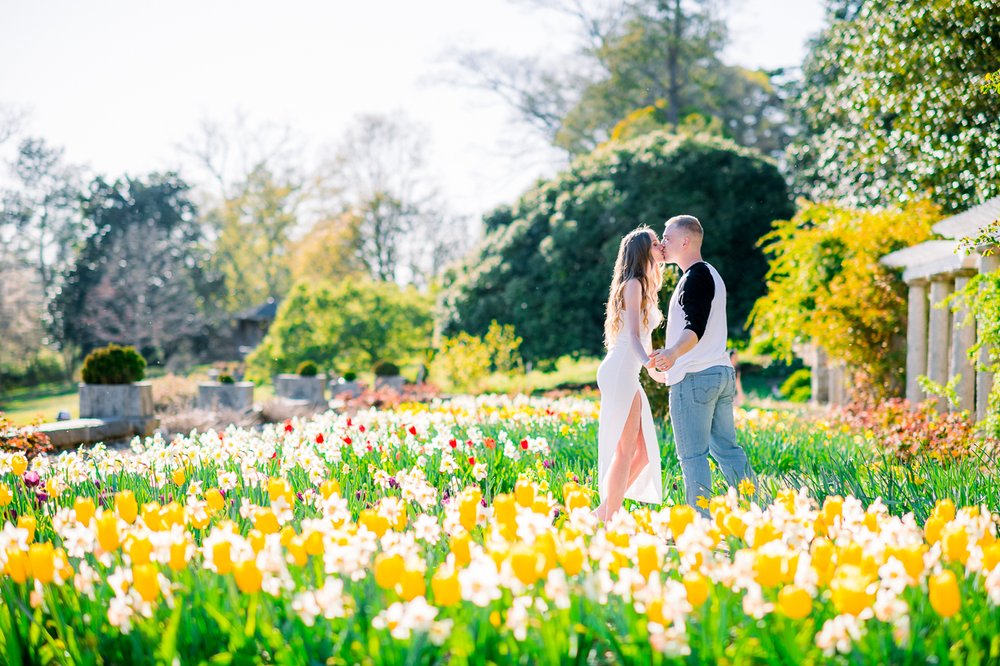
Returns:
point(694, 363)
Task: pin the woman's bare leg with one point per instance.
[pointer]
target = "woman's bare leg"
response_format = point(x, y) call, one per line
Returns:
point(640, 459)
point(618, 473)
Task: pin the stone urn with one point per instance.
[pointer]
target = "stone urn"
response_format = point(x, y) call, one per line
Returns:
point(130, 403)
point(341, 385)
point(299, 387)
point(213, 396)
point(394, 382)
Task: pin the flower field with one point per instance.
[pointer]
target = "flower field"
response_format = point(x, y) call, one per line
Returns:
point(461, 532)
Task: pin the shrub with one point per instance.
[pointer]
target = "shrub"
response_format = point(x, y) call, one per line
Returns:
point(114, 365)
point(916, 433)
point(826, 286)
point(798, 386)
point(385, 369)
point(26, 440)
point(350, 376)
point(226, 379)
point(351, 323)
point(465, 360)
point(307, 369)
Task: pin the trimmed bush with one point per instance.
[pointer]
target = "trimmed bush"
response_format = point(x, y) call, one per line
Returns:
point(350, 376)
point(226, 379)
point(798, 386)
point(307, 369)
point(114, 365)
point(386, 369)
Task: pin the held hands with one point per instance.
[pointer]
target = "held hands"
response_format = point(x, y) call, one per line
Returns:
point(662, 359)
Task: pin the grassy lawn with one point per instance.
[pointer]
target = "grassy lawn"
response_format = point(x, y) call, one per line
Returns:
point(42, 406)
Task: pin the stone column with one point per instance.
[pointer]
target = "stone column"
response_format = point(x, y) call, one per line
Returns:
point(820, 378)
point(939, 338)
point(963, 337)
point(916, 340)
point(984, 380)
point(836, 375)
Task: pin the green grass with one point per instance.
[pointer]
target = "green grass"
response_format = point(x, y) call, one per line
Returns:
point(44, 405)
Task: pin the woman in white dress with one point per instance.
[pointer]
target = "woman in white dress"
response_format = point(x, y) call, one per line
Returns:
point(628, 454)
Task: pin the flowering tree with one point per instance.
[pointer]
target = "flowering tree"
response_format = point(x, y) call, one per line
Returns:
point(825, 284)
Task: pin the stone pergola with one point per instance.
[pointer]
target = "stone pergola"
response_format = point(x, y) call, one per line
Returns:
point(937, 338)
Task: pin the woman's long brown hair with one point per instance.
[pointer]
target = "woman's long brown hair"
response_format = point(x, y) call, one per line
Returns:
point(634, 262)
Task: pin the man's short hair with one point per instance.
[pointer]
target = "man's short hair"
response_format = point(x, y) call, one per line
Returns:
point(688, 223)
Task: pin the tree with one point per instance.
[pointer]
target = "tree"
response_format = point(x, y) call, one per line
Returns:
point(891, 110)
point(42, 209)
point(545, 264)
point(825, 286)
point(347, 325)
point(252, 237)
point(403, 231)
point(146, 248)
point(632, 56)
point(328, 251)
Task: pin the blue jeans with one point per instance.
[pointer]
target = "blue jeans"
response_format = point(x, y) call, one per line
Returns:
point(701, 413)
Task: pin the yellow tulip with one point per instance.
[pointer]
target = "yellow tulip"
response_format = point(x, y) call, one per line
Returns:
point(178, 555)
point(697, 588)
point(5, 496)
point(833, 507)
point(265, 521)
point(152, 517)
point(932, 529)
point(374, 522)
point(850, 590)
point(329, 488)
point(248, 576)
point(389, 570)
point(955, 540)
point(146, 581)
point(446, 588)
point(768, 569)
point(648, 559)
point(946, 599)
point(945, 509)
point(40, 561)
point(991, 556)
point(681, 515)
point(222, 557)
point(85, 509)
point(524, 492)
point(412, 585)
point(28, 523)
point(140, 549)
point(571, 559)
point(215, 500)
point(314, 543)
point(19, 464)
point(126, 506)
point(794, 602)
point(297, 550)
point(17, 564)
point(178, 477)
point(107, 531)
point(524, 562)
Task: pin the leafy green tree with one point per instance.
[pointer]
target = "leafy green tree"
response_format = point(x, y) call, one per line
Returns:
point(891, 109)
point(651, 51)
point(826, 286)
point(139, 276)
point(545, 264)
point(347, 324)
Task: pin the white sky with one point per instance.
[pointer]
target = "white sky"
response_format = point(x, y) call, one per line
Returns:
point(120, 83)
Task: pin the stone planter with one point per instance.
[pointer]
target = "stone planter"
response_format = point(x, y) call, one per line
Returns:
point(213, 396)
point(338, 386)
point(394, 382)
point(297, 387)
point(129, 403)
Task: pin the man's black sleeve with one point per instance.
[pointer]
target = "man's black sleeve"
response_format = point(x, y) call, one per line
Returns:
point(696, 297)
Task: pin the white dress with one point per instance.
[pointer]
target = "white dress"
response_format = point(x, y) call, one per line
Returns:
point(618, 381)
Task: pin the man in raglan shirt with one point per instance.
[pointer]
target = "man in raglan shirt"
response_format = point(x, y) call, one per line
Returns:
point(697, 368)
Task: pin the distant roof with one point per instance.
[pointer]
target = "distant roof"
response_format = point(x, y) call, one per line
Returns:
point(264, 312)
point(970, 222)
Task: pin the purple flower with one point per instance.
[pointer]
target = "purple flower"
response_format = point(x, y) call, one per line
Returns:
point(547, 464)
point(31, 479)
point(41, 496)
point(357, 495)
point(557, 513)
point(299, 495)
point(482, 502)
point(576, 479)
point(393, 483)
